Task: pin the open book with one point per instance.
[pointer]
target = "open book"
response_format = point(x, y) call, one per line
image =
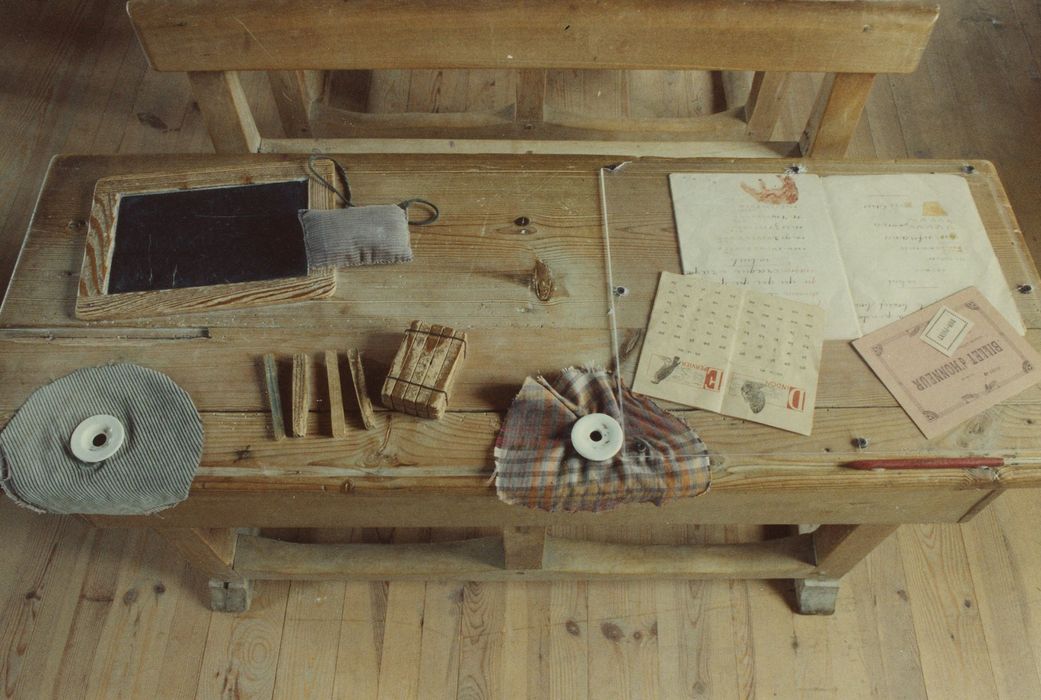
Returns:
point(868, 249)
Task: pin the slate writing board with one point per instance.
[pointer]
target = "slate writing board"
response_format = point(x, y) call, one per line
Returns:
point(208, 236)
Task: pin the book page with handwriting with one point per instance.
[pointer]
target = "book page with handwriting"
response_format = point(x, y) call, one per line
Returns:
point(771, 233)
point(911, 240)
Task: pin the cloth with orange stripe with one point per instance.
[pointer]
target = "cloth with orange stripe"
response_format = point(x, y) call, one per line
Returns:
point(537, 466)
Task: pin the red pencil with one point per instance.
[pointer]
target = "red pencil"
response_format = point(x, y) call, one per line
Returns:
point(928, 463)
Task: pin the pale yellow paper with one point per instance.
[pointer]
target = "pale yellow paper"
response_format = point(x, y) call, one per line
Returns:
point(938, 392)
point(911, 240)
point(734, 351)
point(771, 233)
point(869, 249)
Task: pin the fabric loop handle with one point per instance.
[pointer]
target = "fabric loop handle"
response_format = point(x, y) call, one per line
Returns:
point(435, 213)
point(345, 196)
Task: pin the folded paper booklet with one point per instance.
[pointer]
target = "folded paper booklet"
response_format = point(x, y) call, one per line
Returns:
point(951, 361)
point(869, 249)
point(733, 351)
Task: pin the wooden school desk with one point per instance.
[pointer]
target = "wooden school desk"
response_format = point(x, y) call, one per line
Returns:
point(478, 269)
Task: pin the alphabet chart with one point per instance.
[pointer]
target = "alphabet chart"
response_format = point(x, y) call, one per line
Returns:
point(734, 351)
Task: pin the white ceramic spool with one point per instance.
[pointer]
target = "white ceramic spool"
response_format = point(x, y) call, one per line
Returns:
point(597, 437)
point(97, 438)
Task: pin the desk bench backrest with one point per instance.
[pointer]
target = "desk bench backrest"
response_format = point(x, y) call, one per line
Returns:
point(296, 40)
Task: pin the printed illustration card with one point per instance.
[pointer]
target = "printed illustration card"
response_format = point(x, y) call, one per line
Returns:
point(733, 351)
point(951, 361)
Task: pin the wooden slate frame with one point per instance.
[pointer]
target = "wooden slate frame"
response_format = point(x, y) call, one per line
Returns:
point(296, 41)
point(92, 298)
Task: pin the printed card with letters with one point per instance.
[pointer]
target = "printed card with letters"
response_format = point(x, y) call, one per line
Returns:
point(951, 361)
point(734, 351)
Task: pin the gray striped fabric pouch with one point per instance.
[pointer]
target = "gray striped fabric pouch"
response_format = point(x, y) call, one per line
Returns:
point(370, 235)
point(161, 444)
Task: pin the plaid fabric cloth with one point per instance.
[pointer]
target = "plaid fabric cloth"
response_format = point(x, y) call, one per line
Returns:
point(536, 466)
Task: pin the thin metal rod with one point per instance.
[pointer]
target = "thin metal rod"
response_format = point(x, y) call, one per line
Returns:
point(611, 311)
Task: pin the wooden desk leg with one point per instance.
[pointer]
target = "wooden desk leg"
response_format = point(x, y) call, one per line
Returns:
point(837, 548)
point(212, 551)
point(523, 546)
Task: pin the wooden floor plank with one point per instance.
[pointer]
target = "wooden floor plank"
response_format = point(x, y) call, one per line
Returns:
point(47, 610)
point(481, 640)
point(399, 662)
point(878, 589)
point(96, 598)
point(1004, 610)
point(186, 643)
point(1019, 516)
point(242, 649)
point(361, 640)
point(439, 642)
point(623, 640)
point(310, 639)
point(135, 634)
point(945, 610)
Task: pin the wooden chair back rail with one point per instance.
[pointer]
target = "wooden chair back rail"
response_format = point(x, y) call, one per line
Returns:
point(296, 42)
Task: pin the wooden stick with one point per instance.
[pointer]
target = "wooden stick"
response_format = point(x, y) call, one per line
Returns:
point(301, 392)
point(332, 375)
point(368, 417)
point(274, 397)
point(930, 463)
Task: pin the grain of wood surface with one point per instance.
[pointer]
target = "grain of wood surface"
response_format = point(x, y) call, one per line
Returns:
point(73, 599)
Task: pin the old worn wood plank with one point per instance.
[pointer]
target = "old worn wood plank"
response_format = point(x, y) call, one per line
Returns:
point(361, 391)
point(97, 596)
point(361, 640)
point(37, 616)
point(836, 114)
point(623, 646)
point(481, 640)
point(952, 641)
point(210, 551)
point(301, 393)
point(310, 638)
point(242, 650)
point(485, 203)
point(226, 110)
point(217, 373)
point(570, 147)
point(295, 92)
point(274, 397)
point(335, 393)
point(439, 644)
point(764, 103)
point(888, 642)
point(531, 96)
point(838, 548)
point(400, 660)
point(1003, 608)
point(134, 635)
point(778, 460)
point(482, 559)
point(186, 35)
point(524, 547)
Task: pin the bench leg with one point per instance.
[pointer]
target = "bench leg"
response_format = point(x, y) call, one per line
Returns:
point(230, 596)
point(212, 552)
point(837, 549)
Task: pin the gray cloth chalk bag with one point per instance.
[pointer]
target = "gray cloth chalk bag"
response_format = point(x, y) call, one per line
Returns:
point(118, 439)
point(358, 235)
